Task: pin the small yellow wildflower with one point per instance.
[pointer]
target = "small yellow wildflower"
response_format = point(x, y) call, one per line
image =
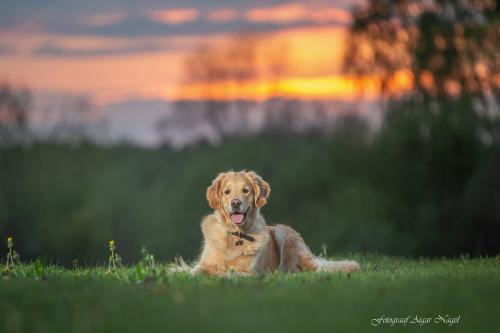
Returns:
point(10, 242)
point(114, 258)
point(12, 255)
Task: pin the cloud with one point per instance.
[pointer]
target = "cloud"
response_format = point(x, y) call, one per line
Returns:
point(222, 15)
point(7, 50)
point(129, 18)
point(144, 27)
point(102, 20)
point(296, 12)
point(55, 50)
point(331, 14)
point(278, 14)
point(174, 16)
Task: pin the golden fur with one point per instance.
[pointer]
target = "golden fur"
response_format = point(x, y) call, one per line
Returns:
point(236, 198)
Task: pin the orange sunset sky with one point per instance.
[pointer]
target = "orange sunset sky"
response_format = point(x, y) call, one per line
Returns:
point(119, 50)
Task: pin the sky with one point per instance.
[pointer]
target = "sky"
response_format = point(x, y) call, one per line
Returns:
point(128, 58)
point(115, 50)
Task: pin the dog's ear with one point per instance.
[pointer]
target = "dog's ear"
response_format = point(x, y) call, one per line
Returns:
point(261, 189)
point(213, 191)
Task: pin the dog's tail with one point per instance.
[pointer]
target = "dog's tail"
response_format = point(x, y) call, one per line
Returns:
point(180, 265)
point(325, 265)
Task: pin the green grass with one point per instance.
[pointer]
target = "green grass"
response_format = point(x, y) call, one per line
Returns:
point(40, 298)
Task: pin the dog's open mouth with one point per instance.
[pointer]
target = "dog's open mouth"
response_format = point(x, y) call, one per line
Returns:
point(238, 218)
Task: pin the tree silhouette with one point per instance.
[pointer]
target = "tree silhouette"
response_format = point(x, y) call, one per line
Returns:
point(15, 105)
point(437, 141)
point(222, 76)
point(233, 65)
point(449, 48)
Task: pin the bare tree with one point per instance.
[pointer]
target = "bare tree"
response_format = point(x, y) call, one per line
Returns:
point(74, 119)
point(15, 106)
point(230, 78)
point(222, 71)
point(204, 68)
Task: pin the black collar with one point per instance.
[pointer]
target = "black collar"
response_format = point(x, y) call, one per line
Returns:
point(242, 235)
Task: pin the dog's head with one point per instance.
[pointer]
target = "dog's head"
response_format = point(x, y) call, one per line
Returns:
point(238, 195)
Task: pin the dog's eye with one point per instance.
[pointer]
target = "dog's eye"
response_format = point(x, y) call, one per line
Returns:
point(227, 191)
point(245, 190)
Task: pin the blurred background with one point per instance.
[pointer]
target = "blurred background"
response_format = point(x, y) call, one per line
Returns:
point(377, 123)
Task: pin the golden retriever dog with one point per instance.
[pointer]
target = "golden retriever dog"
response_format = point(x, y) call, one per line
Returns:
point(237, 238)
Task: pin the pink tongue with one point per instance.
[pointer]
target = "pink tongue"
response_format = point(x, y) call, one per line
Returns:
point(237, 218)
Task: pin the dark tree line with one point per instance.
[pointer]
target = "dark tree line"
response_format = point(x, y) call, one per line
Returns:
point(70, 119)
point(439, 141)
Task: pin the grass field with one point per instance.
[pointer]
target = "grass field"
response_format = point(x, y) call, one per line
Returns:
point(39, 298)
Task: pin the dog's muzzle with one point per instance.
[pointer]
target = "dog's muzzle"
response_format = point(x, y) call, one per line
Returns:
point(238, 218)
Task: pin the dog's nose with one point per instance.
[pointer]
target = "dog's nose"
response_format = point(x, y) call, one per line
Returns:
point(236, 203)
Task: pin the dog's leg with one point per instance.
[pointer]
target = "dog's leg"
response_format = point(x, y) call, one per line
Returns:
point(212, 256)
point(289, 245)
point(295, 255)
point(207, 269)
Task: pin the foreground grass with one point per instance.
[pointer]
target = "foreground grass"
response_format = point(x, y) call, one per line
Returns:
point(39, 298)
